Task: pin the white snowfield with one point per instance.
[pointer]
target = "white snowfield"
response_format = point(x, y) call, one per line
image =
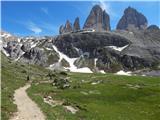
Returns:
point(118, 48)
point(121, 72)
point(71, 61)
point(34, 44)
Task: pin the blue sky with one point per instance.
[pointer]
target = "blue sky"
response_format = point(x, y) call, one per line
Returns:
point(44, 18)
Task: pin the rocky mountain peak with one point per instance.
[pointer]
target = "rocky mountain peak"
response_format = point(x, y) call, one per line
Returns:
point(66, 29)
point(76, 25)
point(132, 19)
point(97, 8)
point(68, 26)
point(97, 20)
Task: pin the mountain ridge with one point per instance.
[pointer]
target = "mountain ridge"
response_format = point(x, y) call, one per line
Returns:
point(102, 50)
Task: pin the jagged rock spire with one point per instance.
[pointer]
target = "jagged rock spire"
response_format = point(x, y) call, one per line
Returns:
point(132, 19)
point(76, 25)
point(98, 20)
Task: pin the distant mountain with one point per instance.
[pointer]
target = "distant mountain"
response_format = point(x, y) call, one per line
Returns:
point(84, 50)
point(132, 19)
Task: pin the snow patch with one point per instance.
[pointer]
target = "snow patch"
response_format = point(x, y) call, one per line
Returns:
point(71, 61)
point(19, 40)
point(19, 56)
point(76, 49)
point(34, 44)
point(95, 62)
point(118, 48)
point(48, 48)
point(121, 72)
point(102, 71)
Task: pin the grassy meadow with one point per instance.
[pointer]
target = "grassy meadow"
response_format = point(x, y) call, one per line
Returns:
point(102, 97)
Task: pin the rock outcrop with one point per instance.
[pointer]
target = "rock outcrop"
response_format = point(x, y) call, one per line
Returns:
point(35, 56)
point(132, 19)
point(98, 20)
point(25, 47)
point(88, 42)
point(14, 49)
point(76, 25)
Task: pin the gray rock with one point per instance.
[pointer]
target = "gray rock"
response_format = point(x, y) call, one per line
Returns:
point(87, 42)
point(68, 27)
point(98, 20)
point(76, 26)
point(35, 56)
point(14, 49)
point(26, 46)
point(132, 19)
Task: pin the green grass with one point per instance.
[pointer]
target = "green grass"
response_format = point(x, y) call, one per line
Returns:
point(113, 99)
point(116, 98)
point(13, 76)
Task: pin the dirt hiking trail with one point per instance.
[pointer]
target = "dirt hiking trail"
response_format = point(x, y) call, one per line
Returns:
point(27, 109)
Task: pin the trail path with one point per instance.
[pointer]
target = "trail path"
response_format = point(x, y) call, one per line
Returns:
point(27, 109)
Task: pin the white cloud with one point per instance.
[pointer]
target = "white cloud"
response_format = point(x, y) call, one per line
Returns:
point(105, 6)
point(45, 10)
point(49, 27)
point(33, 27)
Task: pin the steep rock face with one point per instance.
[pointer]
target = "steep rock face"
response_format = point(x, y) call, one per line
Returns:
point(14, 49)
point(76, 25)
point(68, 26)
point(132, 19)
point(25, 47)
point(98, 20)
point(76, 44)
point(108, 60)
point(66, 29)
point(142, 50)
point(35, 56)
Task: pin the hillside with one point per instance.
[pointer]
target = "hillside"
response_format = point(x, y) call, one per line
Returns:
point(13, 76)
